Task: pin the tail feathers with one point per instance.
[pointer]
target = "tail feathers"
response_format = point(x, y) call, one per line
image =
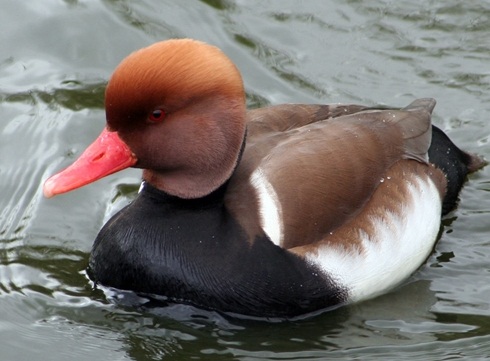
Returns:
point(455, 163)
point(474, 162)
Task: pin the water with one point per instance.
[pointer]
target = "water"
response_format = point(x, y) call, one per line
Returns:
point(56, 57)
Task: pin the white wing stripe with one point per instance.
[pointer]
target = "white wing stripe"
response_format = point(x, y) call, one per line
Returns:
point(269, 207)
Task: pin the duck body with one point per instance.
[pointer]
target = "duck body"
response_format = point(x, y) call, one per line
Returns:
point(275, 212)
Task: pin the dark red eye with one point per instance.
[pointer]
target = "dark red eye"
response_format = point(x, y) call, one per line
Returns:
point(156, 116)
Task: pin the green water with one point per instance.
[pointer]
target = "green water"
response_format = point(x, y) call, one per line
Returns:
point(54, 61)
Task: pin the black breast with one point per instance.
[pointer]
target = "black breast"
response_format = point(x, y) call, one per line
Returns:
point(194, 251)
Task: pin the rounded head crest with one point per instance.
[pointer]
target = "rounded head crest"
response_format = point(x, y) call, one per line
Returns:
point(171, 74)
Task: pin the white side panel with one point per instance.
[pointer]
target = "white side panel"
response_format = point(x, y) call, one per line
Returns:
point(399, 245)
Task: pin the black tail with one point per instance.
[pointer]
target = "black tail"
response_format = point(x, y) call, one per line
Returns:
point(454, 162)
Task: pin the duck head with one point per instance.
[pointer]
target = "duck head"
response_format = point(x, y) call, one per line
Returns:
point(175, 109)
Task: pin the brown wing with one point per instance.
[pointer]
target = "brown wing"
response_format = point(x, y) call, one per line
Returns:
point(281, 118)
point(324, 171)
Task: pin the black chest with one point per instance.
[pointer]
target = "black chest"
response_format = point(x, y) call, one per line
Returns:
point(194, 251)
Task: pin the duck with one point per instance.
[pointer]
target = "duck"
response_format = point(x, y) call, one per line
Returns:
point(279, 211)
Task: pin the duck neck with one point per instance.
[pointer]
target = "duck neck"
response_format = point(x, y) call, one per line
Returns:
point(214, 198)
point(201, 185)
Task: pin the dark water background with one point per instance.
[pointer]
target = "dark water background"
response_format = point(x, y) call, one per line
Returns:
point(55, 58)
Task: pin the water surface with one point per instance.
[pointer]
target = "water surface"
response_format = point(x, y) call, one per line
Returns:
point(56, 58)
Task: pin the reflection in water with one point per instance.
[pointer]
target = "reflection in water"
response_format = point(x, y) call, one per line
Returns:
point(73, 96)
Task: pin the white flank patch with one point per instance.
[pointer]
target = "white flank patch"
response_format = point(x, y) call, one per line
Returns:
point(400, 244)
point(269, 206)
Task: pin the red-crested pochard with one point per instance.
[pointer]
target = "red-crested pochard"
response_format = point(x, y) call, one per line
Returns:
point(277, 211)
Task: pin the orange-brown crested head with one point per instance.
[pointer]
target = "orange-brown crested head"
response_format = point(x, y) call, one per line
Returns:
point(179, 105)
point(169, 75)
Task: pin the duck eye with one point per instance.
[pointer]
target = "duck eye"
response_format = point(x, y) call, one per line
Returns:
point(156, 116)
